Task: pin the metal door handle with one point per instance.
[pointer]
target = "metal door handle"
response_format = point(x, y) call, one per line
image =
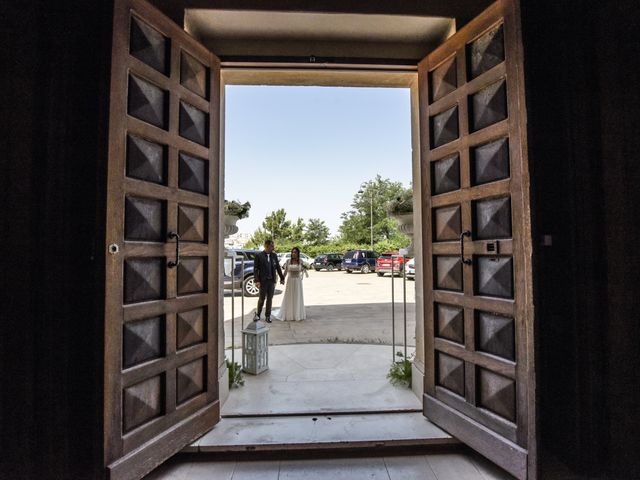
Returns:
point(465, 261)
point(177, 262)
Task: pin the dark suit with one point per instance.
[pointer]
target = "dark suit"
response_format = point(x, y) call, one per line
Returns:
point(265, 271)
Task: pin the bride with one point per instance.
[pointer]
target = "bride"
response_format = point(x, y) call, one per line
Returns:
point(292, 307)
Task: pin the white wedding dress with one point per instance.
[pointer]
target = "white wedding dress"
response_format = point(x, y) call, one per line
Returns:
point(292, 308)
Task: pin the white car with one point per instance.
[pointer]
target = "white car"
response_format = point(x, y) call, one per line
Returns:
point(307, 261)
point(411, 269)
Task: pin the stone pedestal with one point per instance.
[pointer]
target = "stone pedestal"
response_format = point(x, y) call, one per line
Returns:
point(255, 348)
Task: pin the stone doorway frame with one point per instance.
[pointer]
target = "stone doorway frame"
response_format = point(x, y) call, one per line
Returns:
point(268, 74)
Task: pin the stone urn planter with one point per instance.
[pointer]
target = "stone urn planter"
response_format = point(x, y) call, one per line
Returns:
point(229, 224)
point(405, 226)
point(234, 210)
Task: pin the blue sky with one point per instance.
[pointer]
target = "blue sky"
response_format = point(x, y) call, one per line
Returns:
point(308, 149)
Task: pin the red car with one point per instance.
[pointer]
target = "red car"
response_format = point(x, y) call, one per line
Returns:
point(383, 263)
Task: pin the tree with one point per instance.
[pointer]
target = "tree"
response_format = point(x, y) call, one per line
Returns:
point(385, 229)
point(296, 232)
point(317, 232)
point(258, 238)
point(356, 223)
point(277, 225)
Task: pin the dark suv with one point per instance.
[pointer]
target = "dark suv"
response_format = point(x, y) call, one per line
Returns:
point(330, 261)
point(362, 260)
point(242, 279)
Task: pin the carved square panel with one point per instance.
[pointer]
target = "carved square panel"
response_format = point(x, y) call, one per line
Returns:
point(485, 52)
point(193, 174)
point(194, 124)
point(192, 275)
point(450, 373)
point(494, 276)
point(142, 402)
point(490, 162)
point(444, 127)
point(495, 334)
point(193, 74)
point(144, 279)
point(447, 223)
point(448, 273)
point(444, 79)
point(192, 223)
point(149, 46)
point(492, 218)
point(449, 322)
point(190, 380)
point(144, 219)
point(146, 160)
point(488, 106)
point(497, 394)
point(148, 102)
point(142, 340)
point(191, 327)
point(445, 174)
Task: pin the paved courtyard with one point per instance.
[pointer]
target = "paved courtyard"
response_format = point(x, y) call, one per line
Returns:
point(341, 308)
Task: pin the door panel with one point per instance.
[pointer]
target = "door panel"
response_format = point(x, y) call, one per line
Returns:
point(161, 325)
point(479, 381)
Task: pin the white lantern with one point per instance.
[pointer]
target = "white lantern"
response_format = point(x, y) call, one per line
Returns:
point(255, 348)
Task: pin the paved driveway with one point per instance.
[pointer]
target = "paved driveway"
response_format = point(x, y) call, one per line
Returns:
point(341, 308)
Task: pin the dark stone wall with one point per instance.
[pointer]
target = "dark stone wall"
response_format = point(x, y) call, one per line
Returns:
point(54, 105)
point(566, 190)
point(17, 428)
point(617, 35)
point(583, 144)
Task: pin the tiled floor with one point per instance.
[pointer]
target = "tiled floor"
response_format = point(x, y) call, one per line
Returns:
point(442, 466)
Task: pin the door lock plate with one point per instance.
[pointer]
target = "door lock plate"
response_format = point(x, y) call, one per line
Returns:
point(492, 247)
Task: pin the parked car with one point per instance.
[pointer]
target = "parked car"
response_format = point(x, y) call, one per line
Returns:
point(411, 269)
point(307, 261)
point(383, 263)
point(330, 261)
point(242, 279)
point(361, 260)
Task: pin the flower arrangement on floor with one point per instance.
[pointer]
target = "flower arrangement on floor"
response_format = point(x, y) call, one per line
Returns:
point(400, 370)
point(235, 374)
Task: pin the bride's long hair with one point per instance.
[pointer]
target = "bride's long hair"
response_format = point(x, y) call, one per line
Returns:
point(298, 256)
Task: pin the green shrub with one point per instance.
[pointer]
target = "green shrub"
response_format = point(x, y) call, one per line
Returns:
point(399, 241)
point(400, 371)
point(235, 374)
point(314, 250)
point(394, 245)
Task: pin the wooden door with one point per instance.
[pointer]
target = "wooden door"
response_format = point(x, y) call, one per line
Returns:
point(479, 380)
point(161, 319)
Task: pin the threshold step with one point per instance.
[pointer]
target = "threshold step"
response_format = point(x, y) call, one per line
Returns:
point(318, 432)
point(324, 412)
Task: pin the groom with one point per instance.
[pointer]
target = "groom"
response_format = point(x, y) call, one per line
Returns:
point(265, 268)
